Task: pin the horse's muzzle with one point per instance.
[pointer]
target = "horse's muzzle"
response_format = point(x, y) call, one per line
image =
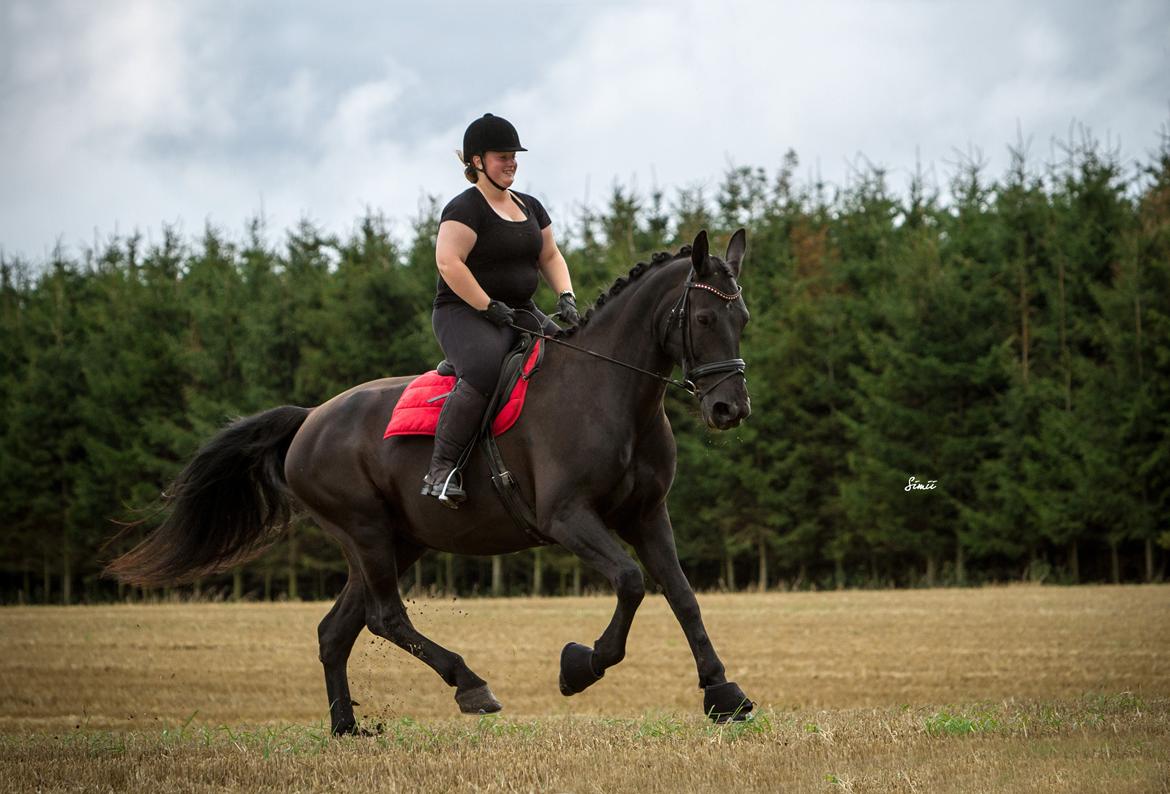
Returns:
point(725, 416)
point(724, 410)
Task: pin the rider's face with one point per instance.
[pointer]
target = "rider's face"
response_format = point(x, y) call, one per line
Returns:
point(500, 166)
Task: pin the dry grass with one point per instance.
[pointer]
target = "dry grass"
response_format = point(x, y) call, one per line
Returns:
point(1002, 689)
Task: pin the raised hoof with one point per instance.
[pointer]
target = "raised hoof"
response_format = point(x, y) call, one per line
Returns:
point(577, 672)
point(477, 701)
point(726, 702)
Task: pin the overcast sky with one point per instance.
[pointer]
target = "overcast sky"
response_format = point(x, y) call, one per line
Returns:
point(116, 116)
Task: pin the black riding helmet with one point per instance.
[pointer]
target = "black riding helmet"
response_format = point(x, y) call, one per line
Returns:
point(489, 134)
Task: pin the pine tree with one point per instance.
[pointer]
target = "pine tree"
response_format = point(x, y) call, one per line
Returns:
point(44, 452)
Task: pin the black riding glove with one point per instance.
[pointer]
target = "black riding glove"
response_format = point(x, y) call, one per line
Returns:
point(499, 313)
point(567, 308)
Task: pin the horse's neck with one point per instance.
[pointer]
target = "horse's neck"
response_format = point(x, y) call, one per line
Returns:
point(627, 328)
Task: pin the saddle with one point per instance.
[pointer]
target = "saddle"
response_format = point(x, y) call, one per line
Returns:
point(417, 413)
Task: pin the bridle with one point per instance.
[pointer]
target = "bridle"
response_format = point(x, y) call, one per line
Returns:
point(691, 370)
point(682, 315)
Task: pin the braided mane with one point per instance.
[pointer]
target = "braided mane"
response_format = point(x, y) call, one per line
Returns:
point(636, 272)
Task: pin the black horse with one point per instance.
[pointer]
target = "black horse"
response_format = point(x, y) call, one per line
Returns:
point(593, 453)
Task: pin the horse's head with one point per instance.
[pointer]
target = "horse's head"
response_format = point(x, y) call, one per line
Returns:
point(706, 325)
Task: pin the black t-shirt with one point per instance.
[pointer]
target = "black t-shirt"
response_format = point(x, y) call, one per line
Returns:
point(505, 259)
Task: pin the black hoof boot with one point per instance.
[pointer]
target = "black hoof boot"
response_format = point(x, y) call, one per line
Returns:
point(726, 702)
point(577, 672)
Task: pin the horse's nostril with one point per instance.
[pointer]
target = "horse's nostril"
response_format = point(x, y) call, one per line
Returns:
point(722, 410)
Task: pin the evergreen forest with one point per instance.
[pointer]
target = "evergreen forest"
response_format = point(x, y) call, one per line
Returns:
point(1003, 339)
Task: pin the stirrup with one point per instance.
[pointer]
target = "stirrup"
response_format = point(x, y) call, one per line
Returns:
point(450, 492)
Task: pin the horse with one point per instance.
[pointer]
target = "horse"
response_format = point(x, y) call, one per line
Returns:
point(593, 452)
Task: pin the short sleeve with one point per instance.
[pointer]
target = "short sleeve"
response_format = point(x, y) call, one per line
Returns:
point(463, 210)
point(538, 211)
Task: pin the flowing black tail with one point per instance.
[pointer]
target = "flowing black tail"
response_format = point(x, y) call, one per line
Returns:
point(225, 507)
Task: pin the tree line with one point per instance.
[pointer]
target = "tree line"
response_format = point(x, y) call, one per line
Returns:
point(951, 384)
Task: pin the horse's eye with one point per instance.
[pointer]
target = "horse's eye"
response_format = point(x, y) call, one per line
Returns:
point(705, 318)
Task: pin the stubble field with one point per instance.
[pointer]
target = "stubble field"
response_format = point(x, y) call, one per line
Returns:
point(998, 689)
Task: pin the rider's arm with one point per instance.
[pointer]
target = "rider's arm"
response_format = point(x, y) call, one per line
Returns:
point(452, 248)
point(552, 263)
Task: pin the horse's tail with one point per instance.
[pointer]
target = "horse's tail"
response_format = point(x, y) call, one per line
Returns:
point(227, 505)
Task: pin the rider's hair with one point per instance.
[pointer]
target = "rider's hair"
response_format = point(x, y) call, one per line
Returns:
point(469, 170)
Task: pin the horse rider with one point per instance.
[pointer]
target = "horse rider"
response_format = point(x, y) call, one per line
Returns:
point(494, 243)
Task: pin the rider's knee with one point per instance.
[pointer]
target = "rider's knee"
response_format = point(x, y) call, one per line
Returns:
point(482, 376)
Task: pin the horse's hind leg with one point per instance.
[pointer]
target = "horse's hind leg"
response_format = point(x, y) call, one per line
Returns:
point(336, 634)
point(386, 616)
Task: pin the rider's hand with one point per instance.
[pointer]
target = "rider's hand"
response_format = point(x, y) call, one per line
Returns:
point(499, 313)
point(567, 308)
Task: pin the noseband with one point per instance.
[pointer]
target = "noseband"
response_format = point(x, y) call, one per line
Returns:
point(681, 314)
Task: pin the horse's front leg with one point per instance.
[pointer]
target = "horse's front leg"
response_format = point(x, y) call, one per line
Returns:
point(654, 541)
point(583, 533)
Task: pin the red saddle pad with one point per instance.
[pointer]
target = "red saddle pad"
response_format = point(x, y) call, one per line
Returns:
point(417, 411)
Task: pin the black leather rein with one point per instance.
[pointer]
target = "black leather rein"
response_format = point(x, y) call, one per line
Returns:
point(691, 372)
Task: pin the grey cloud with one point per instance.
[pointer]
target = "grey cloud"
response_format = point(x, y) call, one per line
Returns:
point(129, 113)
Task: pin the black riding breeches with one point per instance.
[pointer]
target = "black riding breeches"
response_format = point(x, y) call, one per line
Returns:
point(476, 346)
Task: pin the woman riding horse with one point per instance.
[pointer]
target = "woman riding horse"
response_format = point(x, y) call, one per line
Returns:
point(492, 246)
point(593, 454)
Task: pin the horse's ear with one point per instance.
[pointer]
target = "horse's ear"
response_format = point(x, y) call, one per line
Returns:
point(735, 251)
point(699, 252)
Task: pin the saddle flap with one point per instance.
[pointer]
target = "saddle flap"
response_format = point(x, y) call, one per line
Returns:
point(519, 366)
point(511, 372)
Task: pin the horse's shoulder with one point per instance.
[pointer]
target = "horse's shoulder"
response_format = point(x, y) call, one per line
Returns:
point(656, 450)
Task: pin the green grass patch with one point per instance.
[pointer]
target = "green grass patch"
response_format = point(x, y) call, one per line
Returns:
point(1120, 703)
point(946, 723)
point(757, 723)
point(660, 726)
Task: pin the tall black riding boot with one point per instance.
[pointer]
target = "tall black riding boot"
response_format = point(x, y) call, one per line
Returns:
point(458, 422)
